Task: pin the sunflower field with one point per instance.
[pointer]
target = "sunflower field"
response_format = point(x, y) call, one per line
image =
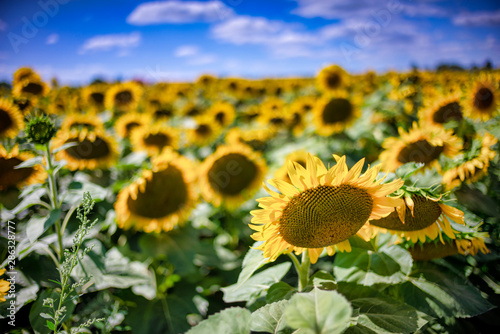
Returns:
point(340, 203)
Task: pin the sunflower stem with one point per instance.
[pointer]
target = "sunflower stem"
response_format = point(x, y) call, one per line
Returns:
point(53, 197)
point(304, 271)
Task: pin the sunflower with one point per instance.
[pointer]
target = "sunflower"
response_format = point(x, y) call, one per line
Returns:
point(223, 113)
point(31, 88)
point(442, 110)
point(483, 99)
point(11, 119)
point(24, 73)
point(422, 215)
point(321, 208)
point(131, 121)
point(154, 139)
point(24, 105)
point(191, 109)
point(474, 164)
point(82, 124)
point(334, 114)
point(123, 96)
point(273, 113)
point(421, 145)
point(161, 198)
point(257, 139)
point(93, 97)
point(231, 175)
point(92, 151)
point(205, 81)
point(10, 176)
point(4, 286)
point(299, 157)
point(332, 78)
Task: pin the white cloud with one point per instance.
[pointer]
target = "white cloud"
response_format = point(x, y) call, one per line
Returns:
point(186, 51)
point(158, 12)
point(476, 19)
point(202, 60)
point(121, 42)
point(52, 39)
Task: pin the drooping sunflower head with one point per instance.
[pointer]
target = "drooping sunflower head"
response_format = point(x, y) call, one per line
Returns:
point(153, 139)
point(321, 208)
point(31, 88)
point(231, 175)
point(442, 110)
point(223, 113)
point(473, 164)
point(332, 78)
point(332, 114)
point(131, 121)
point(161, 198)
point(483, 99)
point(92, 151)
point(10, 176)
point(93, 97)
point(123, 96)
point(11, 119)
point(420, 145)
point(422, 215)
point(204, 132)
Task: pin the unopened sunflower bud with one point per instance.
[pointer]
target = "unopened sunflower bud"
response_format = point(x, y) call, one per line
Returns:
point(40, 130)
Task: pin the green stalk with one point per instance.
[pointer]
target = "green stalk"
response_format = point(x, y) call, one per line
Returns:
point(53, 198)
point(302, 269)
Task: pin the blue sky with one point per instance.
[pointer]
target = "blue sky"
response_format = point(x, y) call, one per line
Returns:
point(78, 40)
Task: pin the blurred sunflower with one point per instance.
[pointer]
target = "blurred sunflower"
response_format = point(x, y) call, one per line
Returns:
point(190, 109)
point(422, 215)
point(204, 132)
point(4, 286)
point(153, 139)
point(93, 97)
point(123, 96)
point(92, 151)
point(332, 78)
point(441, 110)
point(18, 177)
point(82, 124)
point(474, 163)
point(231, 175)
point(31, 88)
point(223, 113)
point(257, 139)
point(24, 73)
point(150, 204)
point(11, 119)
point(321, 208)
point(130, 121)
point(334, 114)
point(299, 157)
point(483, 99)
point(421, 145)
point(24, 105)
point(206, 81)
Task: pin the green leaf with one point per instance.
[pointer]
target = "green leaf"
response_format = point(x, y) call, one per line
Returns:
point(64, 147)
point(279, 291)
point(23, 296)
point(234, 320)
point(319, 312)
point(30, 199)
point(46, 316)
point(30, 162)
point(51, 325)
point(389, 265)
point(256, 286)
point(253, 260)
point(37, 225)
point(80, 185)
point(440, 293)
point(270, 319)
point(323, 280)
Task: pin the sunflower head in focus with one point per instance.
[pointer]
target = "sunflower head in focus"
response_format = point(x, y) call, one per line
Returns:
point(31, 88)
point(153, 139)
point(321, 208)
point(223, 113)
point(93, 97)
point(422, 216)
point(483, 99)
point(473, 164)
point(332, 114)
point(10, 176)
point(123, 96)
point(231, 175)
point(92, 151)
point(11, 119)
point(332, 78)
point(421, 145)
point(442, 110)
point(161, 198)
point(204, 132)
point(4, 286)
point(127, 123)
